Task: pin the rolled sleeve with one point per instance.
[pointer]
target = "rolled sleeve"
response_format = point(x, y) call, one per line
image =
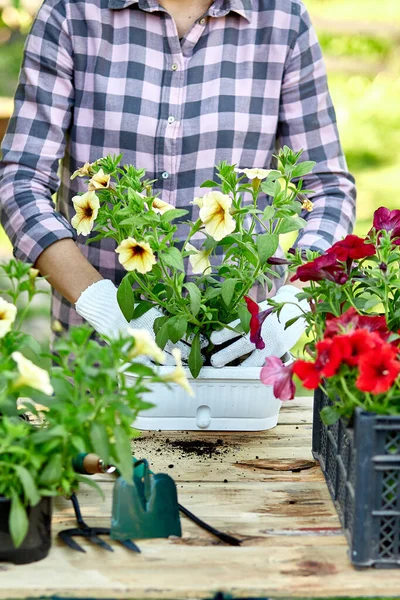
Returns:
point(36, 137)
point(307, 121)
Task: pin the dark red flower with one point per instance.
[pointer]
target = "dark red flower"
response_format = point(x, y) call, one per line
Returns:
point(387, 220)
point(351, 320)
point(378, 370)
point(322, 267)
point(256, 322)
point(276, 373)
point(351, 248)
point(309, 373)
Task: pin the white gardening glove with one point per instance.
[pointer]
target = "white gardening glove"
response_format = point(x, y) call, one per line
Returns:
point(98, 305)
point(277, 339)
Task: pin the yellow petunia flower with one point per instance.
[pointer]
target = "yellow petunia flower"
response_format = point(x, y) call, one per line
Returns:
point(8, 313)
point(199, 261)
point(255, 173)
point(84, 171)
point(160, 207)
point(31, 375)
point(145, 345)
point(198, 202)
point(136, 256)
point(99, 181)
point(87, 208)
point(307, 205)
point(215, 214)
point(178, 375)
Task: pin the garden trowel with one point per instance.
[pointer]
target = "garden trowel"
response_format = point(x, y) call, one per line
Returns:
point(147, 508)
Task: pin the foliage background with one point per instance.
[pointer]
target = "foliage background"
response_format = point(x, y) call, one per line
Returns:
point(361, 44)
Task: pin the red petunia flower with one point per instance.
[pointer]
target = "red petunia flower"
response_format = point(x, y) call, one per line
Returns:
point(275, 373)
point(256, 322)
point(387, 220)
point(351, 320)
point(331, 354)
point(360, 342)
point(378, 371)
point(322, 267)
point(351, 248)
point(308, 372)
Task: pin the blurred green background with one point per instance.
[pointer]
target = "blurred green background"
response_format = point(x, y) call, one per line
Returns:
point(361, 44)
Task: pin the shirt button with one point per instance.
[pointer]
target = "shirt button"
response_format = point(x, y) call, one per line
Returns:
point(171, 119)
point(165, 175)
point(174, 66)
point(202, 21)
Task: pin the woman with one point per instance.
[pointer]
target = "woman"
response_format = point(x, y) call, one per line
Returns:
point(176, 86)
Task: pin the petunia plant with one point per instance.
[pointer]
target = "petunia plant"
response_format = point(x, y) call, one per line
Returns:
point(173, 261)
point(84, 402)
point(354, 323)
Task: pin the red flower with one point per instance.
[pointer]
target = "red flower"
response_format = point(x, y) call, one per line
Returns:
point(331, 354)
point(275, 373)
point(378, 370)
point(256, 322)
point(322, 267)
point(361, 342)
point(387, 220)
point(309, 373)
point(350, 248)
point(351, 320)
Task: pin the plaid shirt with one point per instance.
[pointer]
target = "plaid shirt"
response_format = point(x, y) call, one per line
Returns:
point(112, 76)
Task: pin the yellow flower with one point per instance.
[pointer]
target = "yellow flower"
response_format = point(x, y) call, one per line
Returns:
point(161, 207)
point(56, 326)
point(178, 375)
point(99, 181)
point(307, 205)
point(83, 171)
point(200, 260)
point(33, 273)
point(198, 202)
point(145, 345)
point(255, 173)
point(8, 312)
point(86, 207)
point(216, 216)
point(31, 375)
point(136, 256)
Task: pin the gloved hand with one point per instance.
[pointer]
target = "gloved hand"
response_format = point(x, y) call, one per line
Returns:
point(98, 305)
point(277, 339)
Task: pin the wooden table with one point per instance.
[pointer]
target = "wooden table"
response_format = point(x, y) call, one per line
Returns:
point(262, 487)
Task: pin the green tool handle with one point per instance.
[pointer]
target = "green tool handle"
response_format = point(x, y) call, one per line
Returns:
point(224, 537)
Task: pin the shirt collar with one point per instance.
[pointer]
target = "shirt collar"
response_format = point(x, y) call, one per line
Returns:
point(220, 8)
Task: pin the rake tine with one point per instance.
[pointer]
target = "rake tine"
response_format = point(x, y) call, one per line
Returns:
point(224, 537)
point(96, 540)
point(65, 537)
point(129, 545)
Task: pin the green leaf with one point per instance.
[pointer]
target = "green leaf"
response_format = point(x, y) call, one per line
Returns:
point(268, 213)
point(209, 184)
point(162, 335)
point(195, 360)
point(329, 415)
point(195, 298)
point(125, 298)
point(173, 259)
point(267, 245)
point(177, 327)
point(52, 471)
point(175, 213)
point(289, 224)
point(244, 317)
point(227, 290)
point(140, 370)
point(158, 323)
point(28, 484)
point(124, 454)
point(99, 439)
point(303, 168)
point(141, 308)
point(18, 522)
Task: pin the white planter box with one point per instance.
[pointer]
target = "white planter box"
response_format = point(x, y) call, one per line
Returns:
point(226, 399)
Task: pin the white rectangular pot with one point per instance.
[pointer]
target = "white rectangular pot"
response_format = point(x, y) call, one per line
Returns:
point(226, 399)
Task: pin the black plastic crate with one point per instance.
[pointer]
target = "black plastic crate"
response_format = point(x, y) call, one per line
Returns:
point(361, 465)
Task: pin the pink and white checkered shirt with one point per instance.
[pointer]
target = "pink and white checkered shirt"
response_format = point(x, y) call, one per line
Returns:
point(112, 76)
